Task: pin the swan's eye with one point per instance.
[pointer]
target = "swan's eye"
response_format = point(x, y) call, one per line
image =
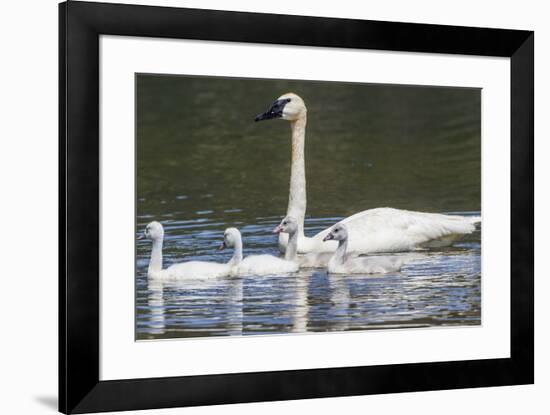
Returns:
point(335, 230)
point(284, 223)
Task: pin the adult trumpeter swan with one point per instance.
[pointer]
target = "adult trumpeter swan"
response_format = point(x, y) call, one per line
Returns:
point(187, 270)
point(341, 263)
point(255, 264)
point(373, 230)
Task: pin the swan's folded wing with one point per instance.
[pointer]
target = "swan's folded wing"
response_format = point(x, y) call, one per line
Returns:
point(197, 270)
point(315, 260)
point(387, 229)
point(265, 265)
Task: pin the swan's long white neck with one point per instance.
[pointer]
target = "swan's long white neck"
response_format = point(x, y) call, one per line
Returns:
point(155, 263)
point(237, 252)
point(340, 254)
point(297, 195)
point(292, 247)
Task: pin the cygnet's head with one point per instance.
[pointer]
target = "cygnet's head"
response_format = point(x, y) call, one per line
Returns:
point(287, 107)
point(338, 232)
point(230, 238)
point(288, 225)
point(153, 231)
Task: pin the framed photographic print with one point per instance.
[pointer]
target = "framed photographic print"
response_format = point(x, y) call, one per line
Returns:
point(261, 207)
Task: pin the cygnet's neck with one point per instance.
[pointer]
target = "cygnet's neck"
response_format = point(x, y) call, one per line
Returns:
point(292, 246)
point(340, 254)
point(237, 252)
point(297, 195)
point(155, 263)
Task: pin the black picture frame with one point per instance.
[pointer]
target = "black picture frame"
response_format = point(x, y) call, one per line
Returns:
point(80, 26)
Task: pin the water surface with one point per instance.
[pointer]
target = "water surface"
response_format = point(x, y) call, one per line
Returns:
point(204, 165)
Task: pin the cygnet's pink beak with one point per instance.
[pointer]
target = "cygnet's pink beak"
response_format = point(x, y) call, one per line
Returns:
point(328, 237)
point(277, 229)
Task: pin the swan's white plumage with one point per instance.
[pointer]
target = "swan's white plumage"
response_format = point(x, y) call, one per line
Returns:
point(183, 271)
point(314, 260)
point(265, 265)
point(374, 230)
point(393, 230)
point(367, 265)
point(342, 263)
point(254, 264)
point(290, 226)
point(193, 270)
point(389, 230)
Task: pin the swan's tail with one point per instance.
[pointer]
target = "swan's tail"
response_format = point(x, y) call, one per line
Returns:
point(474, 219)
point(456, 225)
point(447, 228)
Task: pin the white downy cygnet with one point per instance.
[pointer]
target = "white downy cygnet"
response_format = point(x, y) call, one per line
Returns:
point(290, 226)
point(186, 270)
point(254, 264)
point(342, 263)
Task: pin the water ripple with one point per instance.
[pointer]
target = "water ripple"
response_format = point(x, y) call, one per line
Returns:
point(438, 288)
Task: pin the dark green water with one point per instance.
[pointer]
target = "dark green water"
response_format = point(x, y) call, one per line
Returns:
point(204, 165)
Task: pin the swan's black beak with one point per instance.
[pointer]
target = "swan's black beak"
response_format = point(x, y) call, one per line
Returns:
point(328, 237)
point(276, 110)
point(222, 246)
point(278, 229)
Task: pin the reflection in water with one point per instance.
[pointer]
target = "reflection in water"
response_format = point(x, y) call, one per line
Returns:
point(156, 307)
point(300, 306)
point(204, 165)
point(438, 287)
point(340, 301)
point(235, 307)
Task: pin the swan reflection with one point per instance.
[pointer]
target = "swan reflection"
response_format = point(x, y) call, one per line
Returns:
point(300, 306)
point(340, 301)
point(235, 307)
point(156, 306)
point(431, 289)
